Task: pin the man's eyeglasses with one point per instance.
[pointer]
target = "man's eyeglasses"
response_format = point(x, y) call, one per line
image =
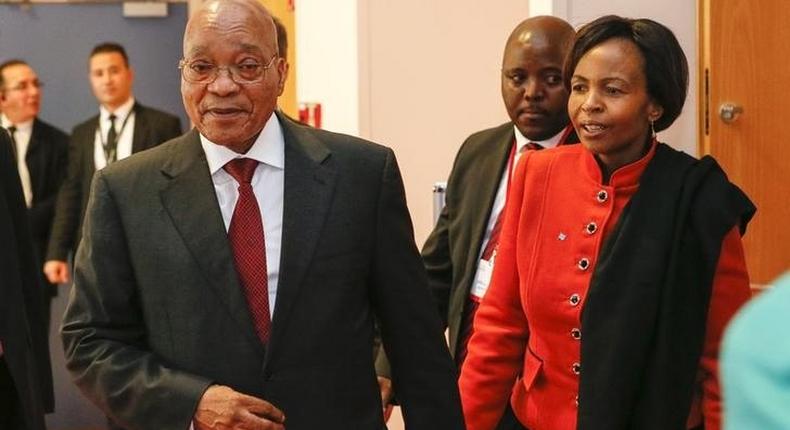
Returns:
point(203, 72)
point(24, 86)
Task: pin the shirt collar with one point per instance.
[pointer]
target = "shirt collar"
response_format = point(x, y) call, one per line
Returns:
point(268, 148)
point(24, 127)
point(551, 142)
point(121, 113)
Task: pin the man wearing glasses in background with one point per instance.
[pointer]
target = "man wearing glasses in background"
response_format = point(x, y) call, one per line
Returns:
point(40, 154)
point(231, 277)
point(122, 127)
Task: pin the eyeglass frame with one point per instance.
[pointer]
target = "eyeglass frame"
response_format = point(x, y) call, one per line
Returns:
point(24, 86)
point(184, 63)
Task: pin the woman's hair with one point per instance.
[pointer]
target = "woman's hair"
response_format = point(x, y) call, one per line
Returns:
point(665, 65)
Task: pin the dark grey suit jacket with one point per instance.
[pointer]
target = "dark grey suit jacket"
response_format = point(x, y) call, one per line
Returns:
point(157, 313)
point(151, 127)
point(46, 162)
point(22, 330)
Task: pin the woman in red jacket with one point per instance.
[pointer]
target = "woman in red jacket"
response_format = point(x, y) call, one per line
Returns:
point(617, 271)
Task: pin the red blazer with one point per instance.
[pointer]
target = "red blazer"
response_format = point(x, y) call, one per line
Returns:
point(527, 331)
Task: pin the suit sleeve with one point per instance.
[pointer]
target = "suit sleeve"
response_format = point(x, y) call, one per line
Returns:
point(67, 206)
point(496, 348)
point(730, 291)
point(43, 211)
point(104, 333)
point(37, 333)
point(439, 267)
point(425, 381)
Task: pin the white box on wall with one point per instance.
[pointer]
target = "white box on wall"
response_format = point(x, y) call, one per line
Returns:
point(144, 9)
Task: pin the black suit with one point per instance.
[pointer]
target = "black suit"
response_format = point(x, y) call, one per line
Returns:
point(157, 313)
point(46, 162)
point(151, 127)
point(25, 358)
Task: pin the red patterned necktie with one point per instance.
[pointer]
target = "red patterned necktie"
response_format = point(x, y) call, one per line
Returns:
point(249, 247)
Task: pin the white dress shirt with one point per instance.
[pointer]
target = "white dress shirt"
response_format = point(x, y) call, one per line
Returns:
point(124, 148)
point(268, 184)
point(22, 138)
point(483, 274)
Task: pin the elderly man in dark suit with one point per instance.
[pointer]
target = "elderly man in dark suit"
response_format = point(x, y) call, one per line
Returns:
point(122, 127)
point(231, 277)
point(459, 254)
point(25, 375)
point(40, 151)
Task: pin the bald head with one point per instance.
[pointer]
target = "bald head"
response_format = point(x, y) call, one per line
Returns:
point(532, 88)
point(231, 14)
point(542, 31)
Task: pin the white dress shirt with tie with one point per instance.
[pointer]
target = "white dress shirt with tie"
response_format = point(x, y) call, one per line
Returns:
point(24, 130)
point(268, 184)
point(124, 148)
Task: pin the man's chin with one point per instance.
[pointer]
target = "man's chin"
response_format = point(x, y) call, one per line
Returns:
point(538, 132)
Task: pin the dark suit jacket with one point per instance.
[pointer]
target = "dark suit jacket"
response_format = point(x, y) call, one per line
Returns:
point(151, 127)
point(157, 313)
point(46, 161)
point(22, 331)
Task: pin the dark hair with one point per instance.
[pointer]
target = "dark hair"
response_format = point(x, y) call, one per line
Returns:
point(282, 38)
point(109, 47)
point(7, 64)
point(666, 68)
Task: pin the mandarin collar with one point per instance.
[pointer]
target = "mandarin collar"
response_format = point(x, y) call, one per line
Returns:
point(624, 176)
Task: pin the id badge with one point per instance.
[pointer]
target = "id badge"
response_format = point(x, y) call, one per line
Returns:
point(485, 269)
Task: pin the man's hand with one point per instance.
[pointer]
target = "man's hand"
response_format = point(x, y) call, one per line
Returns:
point(385, 385)
point(222, 408)
point(57, 271)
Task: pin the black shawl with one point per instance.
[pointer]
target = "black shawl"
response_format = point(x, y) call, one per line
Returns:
point(645, 317)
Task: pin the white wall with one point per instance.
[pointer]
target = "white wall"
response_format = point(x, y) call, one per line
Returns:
point(421, 76)
point(327, 61)
point(433, 71)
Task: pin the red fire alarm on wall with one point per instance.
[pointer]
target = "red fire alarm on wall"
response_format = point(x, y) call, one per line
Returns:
point(310, 114)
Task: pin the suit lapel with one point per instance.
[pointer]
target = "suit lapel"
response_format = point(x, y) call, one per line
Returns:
point(33, 161)
point(495, 161)
point(88, 136)
point(35, 140)
point(140, 139)
point(191, 203)
point(309, 184)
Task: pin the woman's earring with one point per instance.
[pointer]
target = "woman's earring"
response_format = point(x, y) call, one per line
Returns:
point(653, 128)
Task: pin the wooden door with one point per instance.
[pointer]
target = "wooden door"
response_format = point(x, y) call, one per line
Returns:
point(745, 63)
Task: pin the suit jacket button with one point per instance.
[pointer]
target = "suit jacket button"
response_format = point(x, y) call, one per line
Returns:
point(574, 299)
point(591, 228)
point(602, 196)
point(584, 263)
point(576, 333)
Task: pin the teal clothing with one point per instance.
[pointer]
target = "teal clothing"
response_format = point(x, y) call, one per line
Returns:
point(755, 363)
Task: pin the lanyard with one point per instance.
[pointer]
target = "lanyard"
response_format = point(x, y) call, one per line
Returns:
point(117, 136)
